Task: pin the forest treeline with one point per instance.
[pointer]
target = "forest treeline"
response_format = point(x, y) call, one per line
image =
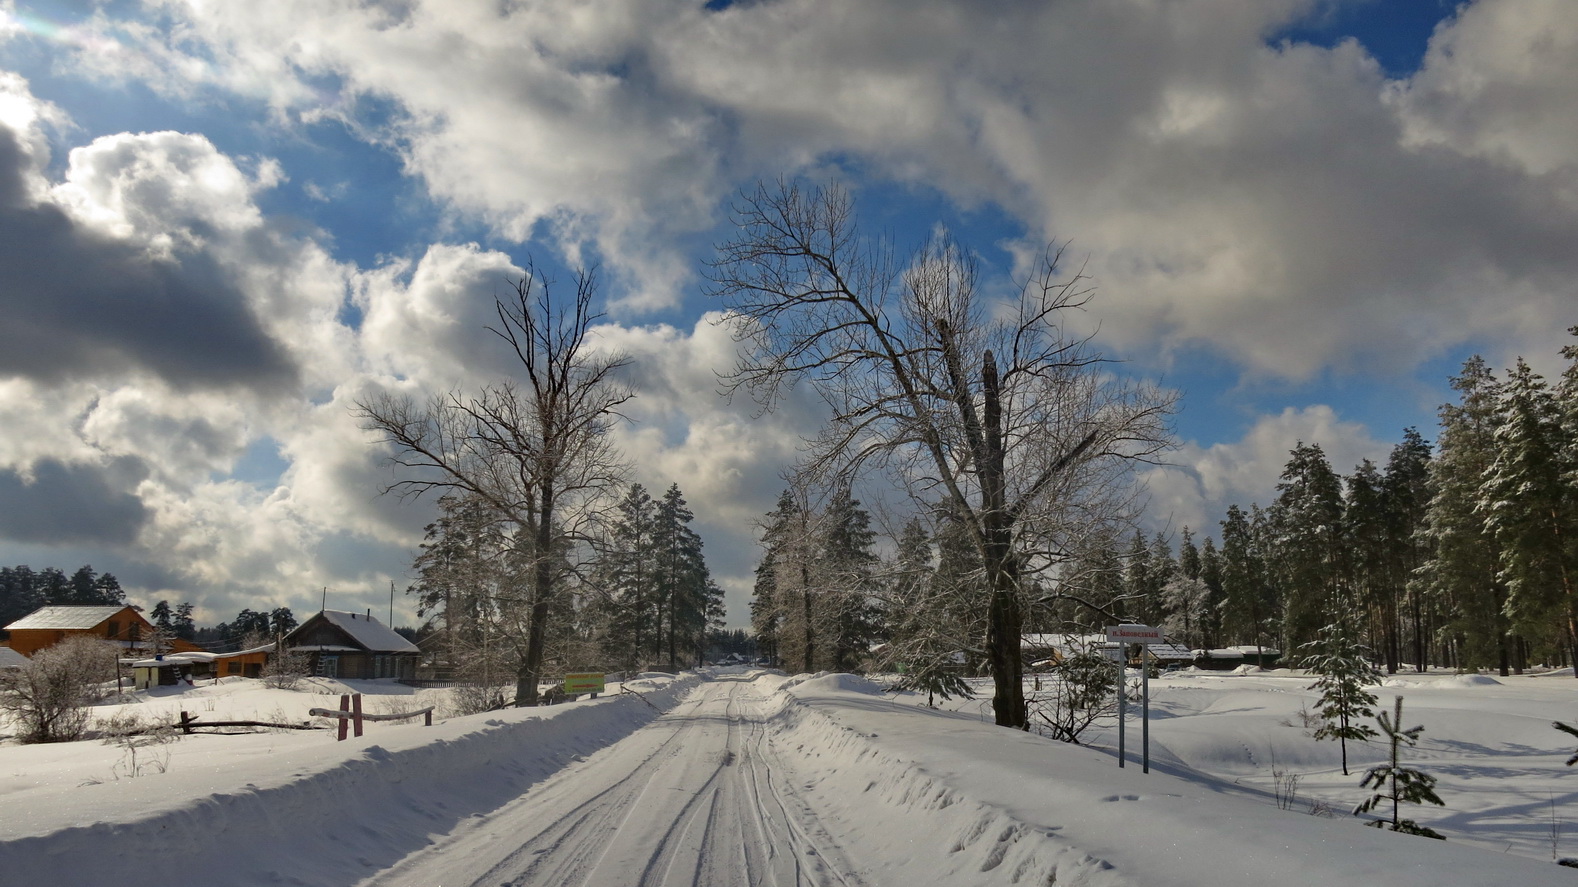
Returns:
point(641, 598)
point(23, 589)
point(1462, 553)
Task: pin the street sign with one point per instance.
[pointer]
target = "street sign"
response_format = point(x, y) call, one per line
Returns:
point(585, 682)
point(1134, 634)
point(1147, 636)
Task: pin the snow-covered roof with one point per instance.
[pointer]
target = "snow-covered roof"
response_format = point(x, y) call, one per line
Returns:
point(1066, 642)
point(175, 659)
point(1246, 649)
point(10, 658)
point(373, 635)
point(261, 648)
point(66, 616)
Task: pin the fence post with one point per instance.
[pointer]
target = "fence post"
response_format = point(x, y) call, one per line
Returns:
point(186, 723)
point(345, 704)
point(427, 718)
point(356, 708)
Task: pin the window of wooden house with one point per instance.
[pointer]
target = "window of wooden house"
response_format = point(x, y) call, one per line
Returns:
point(115, 630)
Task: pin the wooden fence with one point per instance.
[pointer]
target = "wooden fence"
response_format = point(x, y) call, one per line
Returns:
point(350, 713)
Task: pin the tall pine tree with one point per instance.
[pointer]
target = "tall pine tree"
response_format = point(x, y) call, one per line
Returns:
point(1462, 574)
point(1405, 490)
point(1531, 511)
point(1307, 538)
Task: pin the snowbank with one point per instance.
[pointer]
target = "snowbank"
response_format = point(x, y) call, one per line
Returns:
point(966, 802)
point(302, 809)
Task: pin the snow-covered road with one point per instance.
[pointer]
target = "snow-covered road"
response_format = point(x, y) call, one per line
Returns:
point(700, 796)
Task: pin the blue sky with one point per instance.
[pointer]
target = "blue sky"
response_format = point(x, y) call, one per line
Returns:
point(228, 224)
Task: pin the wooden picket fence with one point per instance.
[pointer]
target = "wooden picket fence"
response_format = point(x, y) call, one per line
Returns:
point(350, 714)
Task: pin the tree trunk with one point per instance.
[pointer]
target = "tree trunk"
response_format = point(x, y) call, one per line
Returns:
point(1420, 642)
point(1005, 618)
point(530, 672)
point(805, 599)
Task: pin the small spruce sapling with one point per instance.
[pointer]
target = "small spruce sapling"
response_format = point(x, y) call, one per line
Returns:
point(935, 677)
point(1396, 783)
point(1344, 667)
point(1081, 692)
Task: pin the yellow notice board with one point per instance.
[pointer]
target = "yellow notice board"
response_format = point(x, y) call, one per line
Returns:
point(585, 682)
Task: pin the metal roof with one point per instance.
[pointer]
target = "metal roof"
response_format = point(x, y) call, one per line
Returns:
point(372, 635)
point(62, 616)
point(10, 658)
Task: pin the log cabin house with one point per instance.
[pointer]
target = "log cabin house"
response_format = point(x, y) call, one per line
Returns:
point(338, 644)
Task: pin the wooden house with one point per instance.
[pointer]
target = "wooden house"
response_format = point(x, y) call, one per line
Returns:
point(48, 626)
point(119, 623)
point(338, 644)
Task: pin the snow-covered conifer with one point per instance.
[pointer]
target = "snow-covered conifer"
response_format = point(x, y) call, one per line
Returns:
point(1526, 505)
point(1399, 784)
point(1344, 670)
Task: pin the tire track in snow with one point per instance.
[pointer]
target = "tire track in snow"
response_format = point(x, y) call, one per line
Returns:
point(698, 797)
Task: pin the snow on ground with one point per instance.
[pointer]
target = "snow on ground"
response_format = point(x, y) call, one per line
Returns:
point(1488, 740)
point(285, 807)
point(755, 777)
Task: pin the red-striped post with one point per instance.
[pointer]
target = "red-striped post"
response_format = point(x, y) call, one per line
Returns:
point(345, 703)
point(356, 708)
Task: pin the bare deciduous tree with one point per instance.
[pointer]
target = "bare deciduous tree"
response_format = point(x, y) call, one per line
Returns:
point(534, 449)
point(991, 405)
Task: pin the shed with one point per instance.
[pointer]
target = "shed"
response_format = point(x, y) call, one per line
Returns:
point(50, 625)
point(338, 644)
point(169, 670)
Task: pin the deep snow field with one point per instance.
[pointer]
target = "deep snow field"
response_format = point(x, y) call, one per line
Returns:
point(1499, 765)
point(909, 795)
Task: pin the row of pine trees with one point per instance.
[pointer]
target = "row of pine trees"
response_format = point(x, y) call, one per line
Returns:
point(23, 589)
point(640, 596)
point(1463, 554)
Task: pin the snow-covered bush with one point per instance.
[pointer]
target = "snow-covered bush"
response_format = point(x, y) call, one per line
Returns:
point(1081, 690)
point(285, 670)
point(134, 733)
point(47, 699)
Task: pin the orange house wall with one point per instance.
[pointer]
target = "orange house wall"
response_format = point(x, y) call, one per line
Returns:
point(28, 641)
